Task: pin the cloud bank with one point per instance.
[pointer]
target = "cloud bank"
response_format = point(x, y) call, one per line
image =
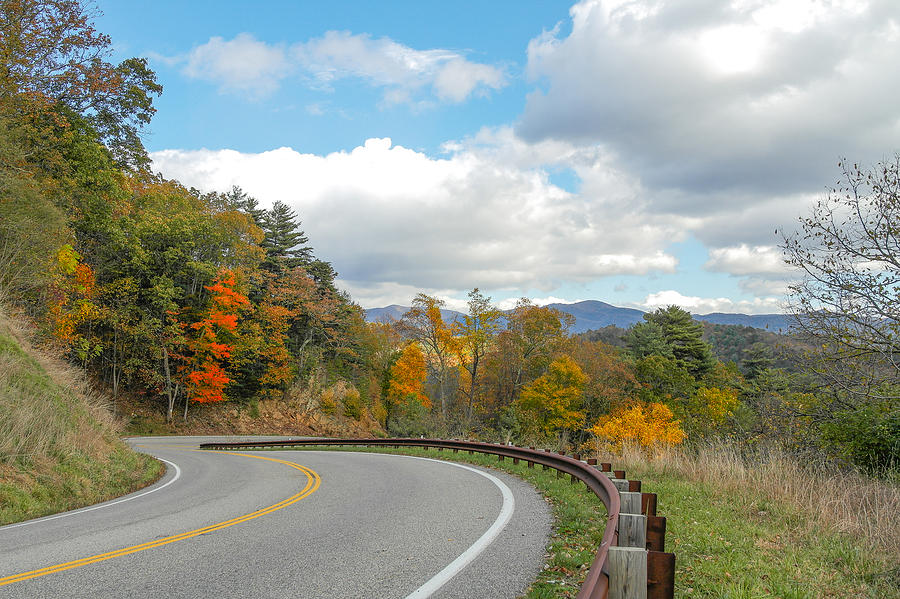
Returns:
point(394, 220)
point(746, 96)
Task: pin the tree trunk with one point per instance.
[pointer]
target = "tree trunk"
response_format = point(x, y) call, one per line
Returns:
point(171, 397)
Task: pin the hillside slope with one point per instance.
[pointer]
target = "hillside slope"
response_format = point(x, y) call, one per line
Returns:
point(59, 443)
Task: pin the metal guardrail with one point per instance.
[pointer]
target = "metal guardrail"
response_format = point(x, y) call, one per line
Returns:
point(659, 567)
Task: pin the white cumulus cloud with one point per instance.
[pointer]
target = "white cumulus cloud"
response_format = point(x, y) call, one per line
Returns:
point(402, 70)
point(746, 260)
point(705, 305)
point(736, 96)
point(392, 219)
point(243, 64)
point(254, 67)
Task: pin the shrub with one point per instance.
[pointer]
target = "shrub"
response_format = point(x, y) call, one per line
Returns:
point(328, 402)
point(867, 435)
point(647, 425)
point(353, 406)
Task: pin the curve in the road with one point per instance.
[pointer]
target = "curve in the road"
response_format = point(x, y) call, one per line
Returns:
point(313, 480)
point(454, 567)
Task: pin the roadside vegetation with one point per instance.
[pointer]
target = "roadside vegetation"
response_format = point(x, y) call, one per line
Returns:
point(60, 448)
point(769, 526)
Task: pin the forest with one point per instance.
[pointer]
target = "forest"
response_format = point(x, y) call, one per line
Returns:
point(186, 301)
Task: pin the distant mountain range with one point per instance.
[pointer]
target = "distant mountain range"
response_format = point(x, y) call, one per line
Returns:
point(592, 314)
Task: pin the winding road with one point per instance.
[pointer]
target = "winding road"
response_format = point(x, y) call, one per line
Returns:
point(311, 524)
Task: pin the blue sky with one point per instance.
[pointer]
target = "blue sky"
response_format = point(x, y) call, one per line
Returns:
point(640, 152)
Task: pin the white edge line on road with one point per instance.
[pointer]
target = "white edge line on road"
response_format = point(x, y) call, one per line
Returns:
point(102, 505)
point(467, 556)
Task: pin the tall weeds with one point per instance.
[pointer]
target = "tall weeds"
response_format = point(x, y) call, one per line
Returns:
point(828, 497)
point(47, 408)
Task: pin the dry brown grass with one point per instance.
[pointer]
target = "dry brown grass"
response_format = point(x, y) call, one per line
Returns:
point(827, 498)
point(46, 406)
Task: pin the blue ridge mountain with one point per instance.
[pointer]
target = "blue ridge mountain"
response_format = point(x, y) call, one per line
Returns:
point(593, 314)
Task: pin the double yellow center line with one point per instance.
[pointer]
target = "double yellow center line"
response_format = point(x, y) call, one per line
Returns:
point(313, 480)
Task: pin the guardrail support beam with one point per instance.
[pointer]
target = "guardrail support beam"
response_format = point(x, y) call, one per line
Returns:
point(660, 575)
point(656, 533)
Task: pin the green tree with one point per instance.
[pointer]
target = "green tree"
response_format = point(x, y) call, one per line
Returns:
point(247, 204)
point(55, 68)
point(647, 339)
point(475, 335)
point(684, 336)
point(285, 242)
point(758, 358)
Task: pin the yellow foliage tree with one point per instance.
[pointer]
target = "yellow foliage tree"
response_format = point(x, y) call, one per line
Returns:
point(708, 409)
point(648, 425)
point(551, 404)
point(407, 379)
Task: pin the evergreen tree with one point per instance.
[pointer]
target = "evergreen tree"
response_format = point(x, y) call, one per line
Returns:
point(285, 242)
point(758, 358)
point(322, 272)
point(247, 204)
point(684, 336)
point(647, 339)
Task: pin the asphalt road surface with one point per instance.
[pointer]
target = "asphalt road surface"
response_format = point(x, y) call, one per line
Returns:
point(313, 524)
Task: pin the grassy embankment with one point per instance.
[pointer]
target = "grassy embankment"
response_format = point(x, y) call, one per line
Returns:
point(739, 532)
point(59, 443)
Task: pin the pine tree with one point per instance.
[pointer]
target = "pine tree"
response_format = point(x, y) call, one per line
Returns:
point(685, 336)
point(285, 242)
point(246, 204)
point(758, 358)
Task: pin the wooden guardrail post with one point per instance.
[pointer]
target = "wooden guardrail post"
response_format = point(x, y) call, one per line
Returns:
point(633, 531)
point(620, 483)
point(627, 573)
point(631, 503)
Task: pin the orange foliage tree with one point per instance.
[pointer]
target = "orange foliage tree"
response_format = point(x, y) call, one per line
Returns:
point(645, 424)
point(424, 323)
point(206, 341)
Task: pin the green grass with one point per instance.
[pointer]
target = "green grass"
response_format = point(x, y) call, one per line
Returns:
point(728, 546)
point(748, 547)
point(52, 486)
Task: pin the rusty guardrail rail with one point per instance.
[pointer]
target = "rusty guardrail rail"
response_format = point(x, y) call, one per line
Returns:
point(642, 558)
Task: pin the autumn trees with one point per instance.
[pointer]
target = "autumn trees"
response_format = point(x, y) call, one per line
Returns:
point(56, 77)
point(520, 374)
point(156, 289)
